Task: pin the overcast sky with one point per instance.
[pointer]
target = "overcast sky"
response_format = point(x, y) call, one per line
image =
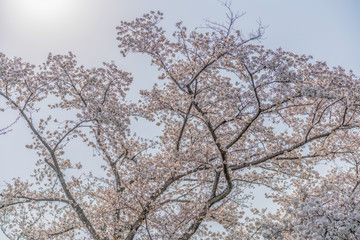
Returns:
point(327, 29)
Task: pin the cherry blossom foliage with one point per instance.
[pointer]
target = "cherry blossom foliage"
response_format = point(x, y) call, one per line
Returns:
point(232, 115)
point(327, 209)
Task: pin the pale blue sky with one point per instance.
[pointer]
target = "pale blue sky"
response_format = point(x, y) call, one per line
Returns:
point(327, 29)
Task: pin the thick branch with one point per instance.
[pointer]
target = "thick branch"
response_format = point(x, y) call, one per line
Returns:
point(55, 166)
point(183, 127)
point(30, 199)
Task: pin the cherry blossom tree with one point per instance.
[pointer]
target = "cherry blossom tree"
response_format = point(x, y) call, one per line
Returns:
point(326, 210)
point(231, 115)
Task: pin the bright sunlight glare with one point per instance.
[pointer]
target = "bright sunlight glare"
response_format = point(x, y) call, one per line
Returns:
point(44, 10)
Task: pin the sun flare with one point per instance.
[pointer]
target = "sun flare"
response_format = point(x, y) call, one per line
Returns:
point(43, 10)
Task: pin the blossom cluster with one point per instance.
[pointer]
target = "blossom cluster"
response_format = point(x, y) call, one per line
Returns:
point(328, 210)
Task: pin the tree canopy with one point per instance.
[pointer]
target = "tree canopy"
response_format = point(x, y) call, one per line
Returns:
point(231, 115)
